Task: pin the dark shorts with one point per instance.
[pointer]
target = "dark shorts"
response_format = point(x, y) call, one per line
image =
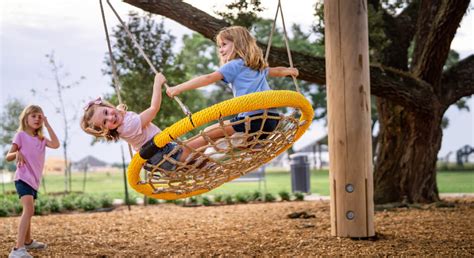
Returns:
point(255, 125)
point(155, 155)
point(23, 189)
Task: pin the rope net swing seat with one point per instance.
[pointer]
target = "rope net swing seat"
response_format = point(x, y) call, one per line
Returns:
point(227, 158)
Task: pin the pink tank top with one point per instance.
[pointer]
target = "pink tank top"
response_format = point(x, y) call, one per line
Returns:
point(132, 132)
point(33, 150)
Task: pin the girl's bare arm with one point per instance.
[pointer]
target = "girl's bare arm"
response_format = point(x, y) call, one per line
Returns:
point(14, 153)
point(54, 142)
point(11, 154)
point(194, 83)
point(147, 116)
point(282, 71)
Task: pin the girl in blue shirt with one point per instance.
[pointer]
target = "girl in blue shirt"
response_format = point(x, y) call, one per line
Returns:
point(244, 67)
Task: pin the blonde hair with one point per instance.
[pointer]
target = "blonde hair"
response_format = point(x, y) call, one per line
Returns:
point(245, 47)
point(99, 131)
point(31, 109)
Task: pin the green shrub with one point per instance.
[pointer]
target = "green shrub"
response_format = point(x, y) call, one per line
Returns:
point(218, 198)
point(178, 201)
point(299, 196)
point(269, 197)
point(69, 202)
point(132, 200)
point(241, 198)
point(255, 196)
point(54, 205)
point(152, 201)
point(12, 206)
point(228, 199)
point(106, 201)
point(88, 203)
point(42, 206)
point(192, 200)
point(206, 201)
point(284, 195)
point(6, 208)
point(17, 208)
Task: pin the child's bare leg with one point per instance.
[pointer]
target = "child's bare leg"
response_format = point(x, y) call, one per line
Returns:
point(23, 228)
point(28, 238)
point(212, 133)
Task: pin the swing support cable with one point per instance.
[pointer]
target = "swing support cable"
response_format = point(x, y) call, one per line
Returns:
point(287, 44)
point(183, 107)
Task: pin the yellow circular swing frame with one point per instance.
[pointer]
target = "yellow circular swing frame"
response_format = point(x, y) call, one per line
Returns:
point(254, 101)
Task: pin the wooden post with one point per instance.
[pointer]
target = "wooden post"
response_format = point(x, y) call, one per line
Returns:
point(350, 148)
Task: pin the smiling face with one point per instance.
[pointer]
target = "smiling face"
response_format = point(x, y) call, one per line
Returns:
point(226, 49)
point(106, 117)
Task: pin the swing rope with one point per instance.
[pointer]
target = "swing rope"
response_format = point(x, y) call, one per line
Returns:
point(183, 107)
point(287, 44)
point(117, 84)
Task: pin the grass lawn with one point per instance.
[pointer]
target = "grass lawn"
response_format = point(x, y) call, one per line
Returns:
point(112, 183)
point(455, 181)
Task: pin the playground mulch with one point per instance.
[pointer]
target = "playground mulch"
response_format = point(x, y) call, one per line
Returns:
point(249, 230)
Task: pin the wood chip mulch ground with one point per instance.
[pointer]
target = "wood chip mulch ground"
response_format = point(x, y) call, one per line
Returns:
point(270, 229)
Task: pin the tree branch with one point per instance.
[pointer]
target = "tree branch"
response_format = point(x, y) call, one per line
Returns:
point(437, 28)
point(208, 26)
point(402, 89)
point(183, 13)
point(394, 85)
point(399, 30)
point(407, 19)
point(458, 81)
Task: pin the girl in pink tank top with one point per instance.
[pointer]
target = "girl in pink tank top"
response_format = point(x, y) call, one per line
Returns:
point(28, 149)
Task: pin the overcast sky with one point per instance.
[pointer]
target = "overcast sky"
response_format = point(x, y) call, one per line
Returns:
point(73, 29)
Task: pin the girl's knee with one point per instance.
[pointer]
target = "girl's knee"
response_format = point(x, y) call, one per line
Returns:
point(28, 212)
point(208, 129)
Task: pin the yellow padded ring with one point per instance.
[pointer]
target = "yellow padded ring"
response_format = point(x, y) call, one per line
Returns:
point(254, 101)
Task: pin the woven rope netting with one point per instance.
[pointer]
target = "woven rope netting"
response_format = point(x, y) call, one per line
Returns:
point(224, 159)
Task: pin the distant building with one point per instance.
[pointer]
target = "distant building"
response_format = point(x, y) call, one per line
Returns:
point(316, 151)
point(90, 163)
point(54, 165)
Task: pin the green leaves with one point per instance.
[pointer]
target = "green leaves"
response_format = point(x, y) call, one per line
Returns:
point(10, 122)
point(136, 76)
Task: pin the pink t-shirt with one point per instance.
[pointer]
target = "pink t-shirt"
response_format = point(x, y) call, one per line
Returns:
point(132, 132)
point(33, 150)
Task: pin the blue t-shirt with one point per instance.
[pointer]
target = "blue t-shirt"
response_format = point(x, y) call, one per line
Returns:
point(244, 80)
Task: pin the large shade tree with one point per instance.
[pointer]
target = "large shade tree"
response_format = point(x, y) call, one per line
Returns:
point(413, 93)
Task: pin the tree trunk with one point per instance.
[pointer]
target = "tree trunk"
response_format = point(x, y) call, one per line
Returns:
point(66, 174)
point(405, 169)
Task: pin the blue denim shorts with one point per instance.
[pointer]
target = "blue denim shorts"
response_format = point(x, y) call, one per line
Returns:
point(255, 125)
point(158, 156)
point(23, 189)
